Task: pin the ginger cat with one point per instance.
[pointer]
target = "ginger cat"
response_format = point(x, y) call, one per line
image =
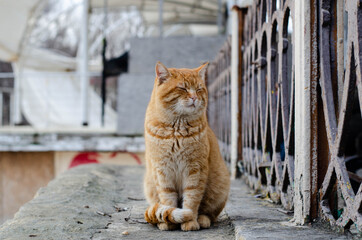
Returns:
point(186, 181)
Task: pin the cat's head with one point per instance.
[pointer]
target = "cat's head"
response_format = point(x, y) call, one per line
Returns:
point(181, 91)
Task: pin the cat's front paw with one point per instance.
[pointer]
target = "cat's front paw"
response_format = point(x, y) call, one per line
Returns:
point(192, 225)
point(167, 226)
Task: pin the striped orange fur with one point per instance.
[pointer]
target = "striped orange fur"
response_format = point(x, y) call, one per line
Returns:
point(186, 182)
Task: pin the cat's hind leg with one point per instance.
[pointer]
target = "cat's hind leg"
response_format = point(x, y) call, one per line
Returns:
point(213, 203)
point(204, 221)
point(210, 211)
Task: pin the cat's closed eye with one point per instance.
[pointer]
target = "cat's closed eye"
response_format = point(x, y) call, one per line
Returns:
point(182, 88)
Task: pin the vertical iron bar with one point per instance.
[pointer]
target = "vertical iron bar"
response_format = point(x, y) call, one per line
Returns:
point(84, 63)
point(104, 78)
point(104, 61)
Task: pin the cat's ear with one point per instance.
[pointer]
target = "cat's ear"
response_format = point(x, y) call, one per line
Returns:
point(202, 71)
point(162, 72)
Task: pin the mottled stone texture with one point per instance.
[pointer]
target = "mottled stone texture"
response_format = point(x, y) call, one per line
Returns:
point(258, 218)
point(96, 202)
point(135, 87)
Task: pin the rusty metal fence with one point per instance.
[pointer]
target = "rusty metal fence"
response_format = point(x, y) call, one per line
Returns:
point(219, 105)
point(340, 123)
point(336, 98)
point(268, 99)
point(267, 120)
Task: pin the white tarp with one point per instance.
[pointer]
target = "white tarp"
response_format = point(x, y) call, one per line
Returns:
point(48, 98)
point(14, 19)
point(62, 107)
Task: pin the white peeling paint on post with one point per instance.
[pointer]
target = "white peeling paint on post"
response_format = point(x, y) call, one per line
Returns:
point(83, 68)
point(302, 186)
point(234, 90)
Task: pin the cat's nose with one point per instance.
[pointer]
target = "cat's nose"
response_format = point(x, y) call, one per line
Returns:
point(193, 97)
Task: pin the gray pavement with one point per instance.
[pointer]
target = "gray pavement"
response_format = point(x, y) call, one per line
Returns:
point(255, 218)
point(107, 202)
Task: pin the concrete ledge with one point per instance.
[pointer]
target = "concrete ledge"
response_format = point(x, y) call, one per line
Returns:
point(95, 202)
point(59, 211)
point(103, 201)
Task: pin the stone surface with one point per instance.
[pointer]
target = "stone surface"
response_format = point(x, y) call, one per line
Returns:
point(104, 201)
point(255, 218)
point(82, 203)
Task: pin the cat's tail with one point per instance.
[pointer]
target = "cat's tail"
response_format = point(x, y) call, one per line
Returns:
point(159, 213)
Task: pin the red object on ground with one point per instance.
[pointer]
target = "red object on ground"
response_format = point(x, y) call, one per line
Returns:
point(84, 158)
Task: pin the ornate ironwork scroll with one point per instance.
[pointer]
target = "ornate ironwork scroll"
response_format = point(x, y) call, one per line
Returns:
point(340, 50)
point(219, 109)
point(268, 99)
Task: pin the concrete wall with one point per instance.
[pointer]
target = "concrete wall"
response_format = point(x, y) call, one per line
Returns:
point(135, 87)
point(134, 92)
point(21, 175)
point(177, 52)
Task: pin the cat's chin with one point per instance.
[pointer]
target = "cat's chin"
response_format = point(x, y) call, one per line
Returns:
point(190, 110)
point(191, 107)
point(191, 113)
